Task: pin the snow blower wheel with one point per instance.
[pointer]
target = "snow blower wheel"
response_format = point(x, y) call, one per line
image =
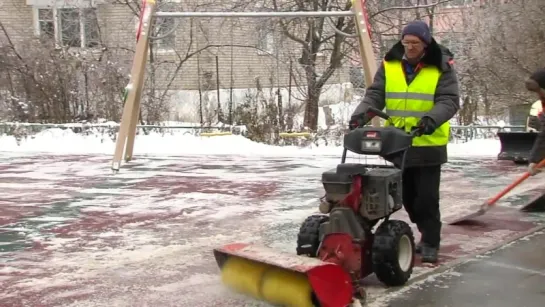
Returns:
point(308, 239)
point(393, 253)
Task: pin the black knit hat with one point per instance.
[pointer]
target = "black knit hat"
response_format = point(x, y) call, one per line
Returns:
point(419, 29)
point(539, 77)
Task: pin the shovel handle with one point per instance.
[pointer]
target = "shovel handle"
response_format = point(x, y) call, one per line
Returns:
point(492, 201)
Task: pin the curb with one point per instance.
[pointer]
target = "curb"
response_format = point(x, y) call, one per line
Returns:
point(454, 263)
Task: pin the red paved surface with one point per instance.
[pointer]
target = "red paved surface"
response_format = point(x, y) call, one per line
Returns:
point(73, 233)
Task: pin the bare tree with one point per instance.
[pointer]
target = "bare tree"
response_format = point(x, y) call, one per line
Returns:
point(503, 43)
point(328, 37)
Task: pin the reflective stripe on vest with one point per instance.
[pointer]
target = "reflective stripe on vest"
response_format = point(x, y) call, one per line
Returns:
point(406, 104)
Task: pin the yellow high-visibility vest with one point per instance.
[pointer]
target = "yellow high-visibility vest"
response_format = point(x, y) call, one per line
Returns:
point(406, 104)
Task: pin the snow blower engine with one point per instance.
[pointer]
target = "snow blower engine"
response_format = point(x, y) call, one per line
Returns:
point(338, 248)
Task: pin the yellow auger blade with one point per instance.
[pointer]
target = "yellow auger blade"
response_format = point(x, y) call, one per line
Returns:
point(281, 278)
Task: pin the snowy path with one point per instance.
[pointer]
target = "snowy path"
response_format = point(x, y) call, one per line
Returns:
point(73, 234)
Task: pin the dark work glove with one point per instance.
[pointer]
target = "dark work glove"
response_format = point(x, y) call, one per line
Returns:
point(533, 170)
point(426, 125)
point(360, 120)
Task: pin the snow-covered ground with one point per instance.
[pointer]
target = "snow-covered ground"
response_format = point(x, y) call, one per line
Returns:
point(174, 143)
point(76, 235)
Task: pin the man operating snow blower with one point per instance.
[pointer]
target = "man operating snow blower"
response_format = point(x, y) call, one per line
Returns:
point(418, 86)
point(536, 84)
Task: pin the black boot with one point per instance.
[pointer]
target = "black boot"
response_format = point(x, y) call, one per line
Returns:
point(429, 253)
point(418, 247)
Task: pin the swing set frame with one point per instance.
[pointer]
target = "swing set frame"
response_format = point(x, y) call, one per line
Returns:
point(133, 92)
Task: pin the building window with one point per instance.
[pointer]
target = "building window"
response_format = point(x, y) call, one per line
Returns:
point(163, 30)
point(165, 33)
point(265, 41)
point(46, 24)
point(68, 27)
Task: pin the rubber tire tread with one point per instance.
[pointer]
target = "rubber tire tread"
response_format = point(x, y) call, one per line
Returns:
point(385, 253)
point(309, 234)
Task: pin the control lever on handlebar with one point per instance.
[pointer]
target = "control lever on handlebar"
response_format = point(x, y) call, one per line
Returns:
point(379, 113)
point(416, 131)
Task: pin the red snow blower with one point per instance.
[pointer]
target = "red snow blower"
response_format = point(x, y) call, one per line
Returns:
point(338, 248)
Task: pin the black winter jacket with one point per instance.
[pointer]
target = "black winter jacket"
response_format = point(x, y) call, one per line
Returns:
point(538, 150)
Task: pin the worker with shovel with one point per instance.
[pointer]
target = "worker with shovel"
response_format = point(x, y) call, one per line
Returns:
point(418, 86)
point(536, 84)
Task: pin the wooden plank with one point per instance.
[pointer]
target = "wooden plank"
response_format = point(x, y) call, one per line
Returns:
point(132, 104)
point(368, 60)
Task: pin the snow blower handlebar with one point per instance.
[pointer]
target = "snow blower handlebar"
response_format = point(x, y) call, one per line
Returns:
point(372, 112)
point(362, 119)
point(387, 142)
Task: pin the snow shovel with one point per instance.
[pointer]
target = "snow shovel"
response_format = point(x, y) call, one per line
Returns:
point(516, 146)
point(492, 201)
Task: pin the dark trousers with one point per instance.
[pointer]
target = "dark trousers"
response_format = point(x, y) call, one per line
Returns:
point(421, 201)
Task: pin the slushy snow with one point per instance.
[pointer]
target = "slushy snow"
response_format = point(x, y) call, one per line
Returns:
point(155, 260)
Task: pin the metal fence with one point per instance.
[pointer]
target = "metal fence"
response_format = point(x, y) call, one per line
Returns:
point(458, 133)
point(467, 133)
